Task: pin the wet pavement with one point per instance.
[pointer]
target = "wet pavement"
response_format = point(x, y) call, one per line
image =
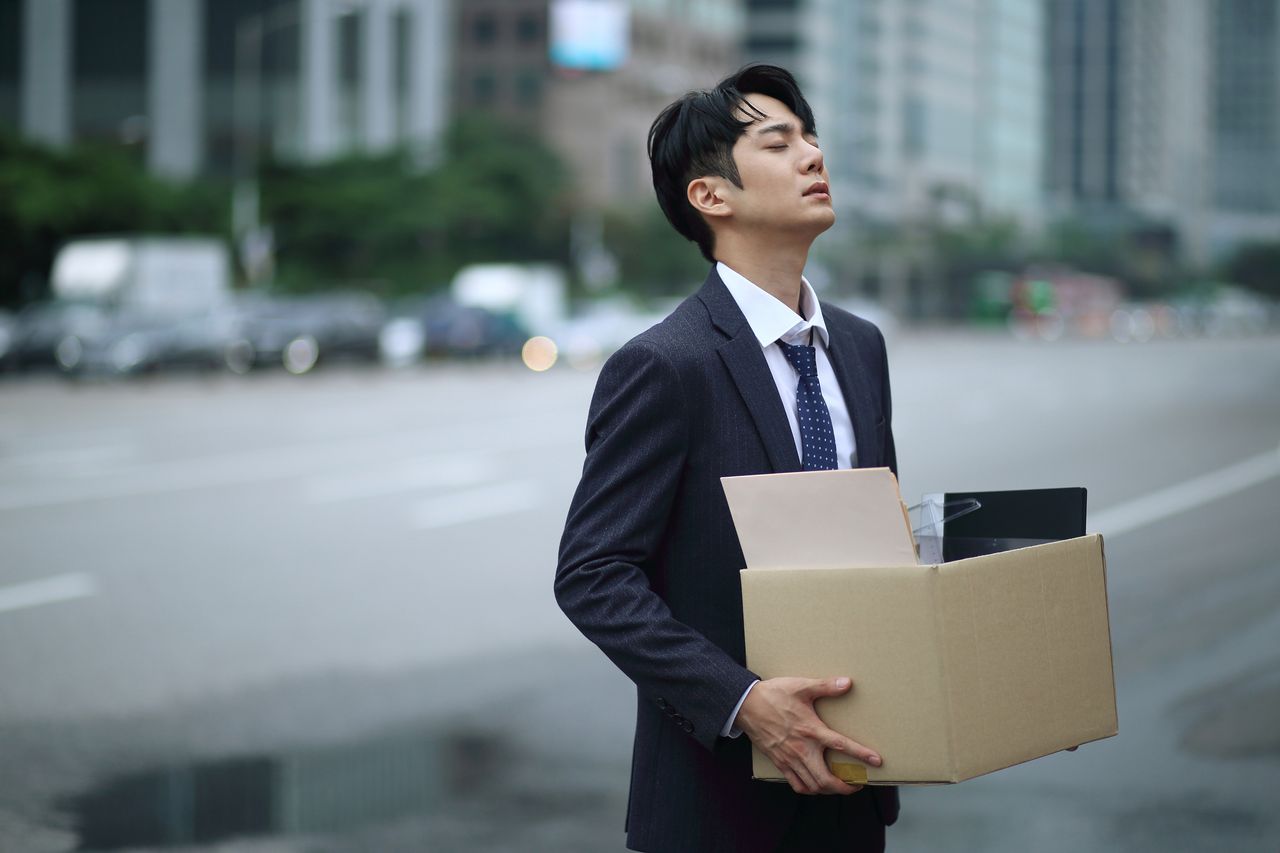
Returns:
point(465, 774)
point(315, 615)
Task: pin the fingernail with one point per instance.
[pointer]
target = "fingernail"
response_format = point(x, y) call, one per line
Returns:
point(842, 683)
point(875, 759)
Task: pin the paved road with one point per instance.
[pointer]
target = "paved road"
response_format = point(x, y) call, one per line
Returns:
point(336, 589)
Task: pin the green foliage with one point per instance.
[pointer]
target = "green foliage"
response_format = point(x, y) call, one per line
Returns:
point(986, 244)
point(653, 259)
point(48, 196)
point(494, 195)
point(1257, 267)
point(489, 192)
point(1072, 243)
point(1142, 255)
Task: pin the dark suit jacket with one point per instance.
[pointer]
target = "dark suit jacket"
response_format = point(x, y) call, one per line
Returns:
point(649, 560)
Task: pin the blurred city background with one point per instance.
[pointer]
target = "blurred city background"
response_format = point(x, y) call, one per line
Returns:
point(301, 304)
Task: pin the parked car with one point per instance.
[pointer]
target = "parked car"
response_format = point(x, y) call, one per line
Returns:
point(124, 343)
point(299, 332)
point(586, 340)
point(120, 343)
point(39, 328)
point(439, 327)
point(467, 331)
point(7, 328)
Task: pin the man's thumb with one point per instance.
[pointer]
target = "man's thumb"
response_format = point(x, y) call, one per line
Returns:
point(829, 686)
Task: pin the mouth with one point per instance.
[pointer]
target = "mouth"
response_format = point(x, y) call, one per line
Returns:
point(819, 189)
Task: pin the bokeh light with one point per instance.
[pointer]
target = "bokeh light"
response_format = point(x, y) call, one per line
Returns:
point(539, 353)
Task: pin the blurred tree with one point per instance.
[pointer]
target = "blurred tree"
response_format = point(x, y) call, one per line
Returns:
point(493, 195)
point(941, 263)
point(1256, 266)
point(49, 195)
point(1144, 255)
point(653, 259)
point(1071, 242)
point(962, 254)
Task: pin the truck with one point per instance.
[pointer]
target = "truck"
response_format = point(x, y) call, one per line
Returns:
point(144, 301)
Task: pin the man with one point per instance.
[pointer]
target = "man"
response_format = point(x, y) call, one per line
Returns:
point(750, 375)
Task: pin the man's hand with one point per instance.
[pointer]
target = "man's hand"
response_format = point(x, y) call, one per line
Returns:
point(779, 718)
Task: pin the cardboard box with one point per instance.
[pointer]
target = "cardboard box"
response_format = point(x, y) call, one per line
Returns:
point(959, 668)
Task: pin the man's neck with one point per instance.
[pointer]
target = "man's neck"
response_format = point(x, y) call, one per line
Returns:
point(774, 269)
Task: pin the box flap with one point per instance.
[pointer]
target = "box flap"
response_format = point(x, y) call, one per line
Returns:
point(820, 519)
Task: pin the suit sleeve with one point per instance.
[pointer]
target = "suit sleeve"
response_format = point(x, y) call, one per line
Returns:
point(637, 442)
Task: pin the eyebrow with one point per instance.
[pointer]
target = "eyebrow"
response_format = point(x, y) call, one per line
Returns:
point(783, 127)
point(780, 127)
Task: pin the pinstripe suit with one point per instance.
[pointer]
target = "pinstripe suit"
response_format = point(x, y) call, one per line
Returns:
point(649, 563)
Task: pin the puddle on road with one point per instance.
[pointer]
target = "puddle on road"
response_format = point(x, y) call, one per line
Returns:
point(318, 790)
point(1235, 717)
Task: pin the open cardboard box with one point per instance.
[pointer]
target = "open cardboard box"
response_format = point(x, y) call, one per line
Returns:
point(959, 668)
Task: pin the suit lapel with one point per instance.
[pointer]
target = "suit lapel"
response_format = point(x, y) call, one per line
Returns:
point(744, 359)
point(851, 370)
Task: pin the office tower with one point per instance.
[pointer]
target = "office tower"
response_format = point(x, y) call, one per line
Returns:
point(1245, 101)
point(1165, 113)
point(923, 109)
point(197, 86)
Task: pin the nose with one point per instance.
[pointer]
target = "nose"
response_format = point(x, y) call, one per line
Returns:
point(812, 162)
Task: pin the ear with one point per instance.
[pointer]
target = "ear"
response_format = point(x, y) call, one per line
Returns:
point(708, 197)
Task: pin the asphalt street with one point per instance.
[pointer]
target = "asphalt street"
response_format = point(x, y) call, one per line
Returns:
point(331, 594)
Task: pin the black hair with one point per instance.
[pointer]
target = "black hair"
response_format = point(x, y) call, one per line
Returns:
point(694, 137)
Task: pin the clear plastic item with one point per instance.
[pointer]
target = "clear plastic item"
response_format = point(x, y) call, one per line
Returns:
point(928, 518)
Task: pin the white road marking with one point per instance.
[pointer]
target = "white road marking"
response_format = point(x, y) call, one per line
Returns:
point(1187, 495)
point(49, 590)
point(474, 504)
point(411, 475)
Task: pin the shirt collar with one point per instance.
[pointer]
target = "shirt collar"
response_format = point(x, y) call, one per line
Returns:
point(769, 319)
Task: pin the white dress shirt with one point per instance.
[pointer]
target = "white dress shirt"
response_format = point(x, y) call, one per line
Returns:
point(770, 321)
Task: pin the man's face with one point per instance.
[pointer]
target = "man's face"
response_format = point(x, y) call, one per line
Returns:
point(784, 179)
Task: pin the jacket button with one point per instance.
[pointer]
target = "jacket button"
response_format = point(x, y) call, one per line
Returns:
point(687, 726)
point(662, 703)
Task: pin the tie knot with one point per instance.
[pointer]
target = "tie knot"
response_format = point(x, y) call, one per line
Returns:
point(801, 358)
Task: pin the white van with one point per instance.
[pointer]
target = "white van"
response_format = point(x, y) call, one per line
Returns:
point(167, 276)
point(149, 301)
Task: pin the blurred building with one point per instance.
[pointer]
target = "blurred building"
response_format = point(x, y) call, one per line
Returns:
point(928, 113)
point(203, 85)
point(1130, 133)
point(1167, 113)
point(589, 76)
point(924, 110)
point(502, 65)
point(1246, 123)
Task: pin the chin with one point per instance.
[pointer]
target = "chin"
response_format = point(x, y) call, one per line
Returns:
point(811, 223)
point(825, 220)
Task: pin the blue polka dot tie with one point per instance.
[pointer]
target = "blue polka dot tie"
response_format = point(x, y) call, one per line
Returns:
point(817, 439)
